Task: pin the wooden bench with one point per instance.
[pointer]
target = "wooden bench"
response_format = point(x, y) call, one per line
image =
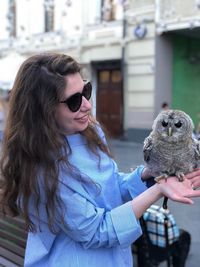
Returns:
point(12, 239)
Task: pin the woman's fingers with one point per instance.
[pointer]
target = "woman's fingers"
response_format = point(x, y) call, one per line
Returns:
point(184, 200)
point(194, 178)
point(179, 191)
point(194, 174)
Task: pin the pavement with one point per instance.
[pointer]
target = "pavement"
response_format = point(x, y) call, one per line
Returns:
point(129, 155)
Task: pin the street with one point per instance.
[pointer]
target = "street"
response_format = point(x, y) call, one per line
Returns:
point(128, 155)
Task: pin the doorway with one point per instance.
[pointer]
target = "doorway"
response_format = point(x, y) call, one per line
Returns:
point(109, 98)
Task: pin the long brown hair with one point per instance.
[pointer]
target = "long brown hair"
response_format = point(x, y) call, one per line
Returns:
point(31, 139)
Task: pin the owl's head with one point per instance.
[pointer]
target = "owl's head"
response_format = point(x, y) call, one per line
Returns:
point(173, 125)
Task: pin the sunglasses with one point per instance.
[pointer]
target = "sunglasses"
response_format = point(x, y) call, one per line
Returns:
point(74, 102)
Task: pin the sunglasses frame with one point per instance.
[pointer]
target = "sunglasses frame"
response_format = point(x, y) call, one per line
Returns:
point(69, 100)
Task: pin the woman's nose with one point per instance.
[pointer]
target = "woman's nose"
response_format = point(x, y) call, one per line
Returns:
point(86, 105)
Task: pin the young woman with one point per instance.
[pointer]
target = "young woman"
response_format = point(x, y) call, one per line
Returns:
point(58, 173)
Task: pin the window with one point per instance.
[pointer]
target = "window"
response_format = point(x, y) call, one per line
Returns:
point(104, 76)
point(49, 15)
point(12, 18)
point(109, 10)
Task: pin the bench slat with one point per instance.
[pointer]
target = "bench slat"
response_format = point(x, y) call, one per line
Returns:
point(12, 247)
point(13, 238)
point(11, 257)
point(18, 221)
point(12, 228)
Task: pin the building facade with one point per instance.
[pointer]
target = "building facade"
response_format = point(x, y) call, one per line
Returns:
point(177, 55)
point(132, 51)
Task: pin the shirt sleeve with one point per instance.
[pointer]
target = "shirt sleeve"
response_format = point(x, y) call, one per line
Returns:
point(131, 184)
point(95, 227)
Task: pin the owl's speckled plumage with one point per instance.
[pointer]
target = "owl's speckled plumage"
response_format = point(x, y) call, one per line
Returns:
point(170, 148)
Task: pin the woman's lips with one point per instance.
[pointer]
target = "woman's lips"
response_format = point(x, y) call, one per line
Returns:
point(83, 119)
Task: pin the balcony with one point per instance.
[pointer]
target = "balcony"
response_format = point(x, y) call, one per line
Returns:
point(177, 14)
point(39, 42)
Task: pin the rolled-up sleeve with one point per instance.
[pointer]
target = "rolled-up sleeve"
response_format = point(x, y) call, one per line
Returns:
point(95, 227)
point(131, 185)
point(125, 224)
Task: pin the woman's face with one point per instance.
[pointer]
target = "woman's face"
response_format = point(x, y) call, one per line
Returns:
point(68, 121)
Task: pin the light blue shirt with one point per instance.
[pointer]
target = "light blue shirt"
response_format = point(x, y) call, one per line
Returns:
point(100, 225)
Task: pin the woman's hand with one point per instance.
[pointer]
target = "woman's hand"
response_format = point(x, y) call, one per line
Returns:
point(194, 178)
point(180, 191)
point(170, 187)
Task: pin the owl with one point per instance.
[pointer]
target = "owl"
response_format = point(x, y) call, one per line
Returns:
point(170, 149)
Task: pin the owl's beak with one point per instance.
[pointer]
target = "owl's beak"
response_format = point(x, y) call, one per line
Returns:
point(170, 131)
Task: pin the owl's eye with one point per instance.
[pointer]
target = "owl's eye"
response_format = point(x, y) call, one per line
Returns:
point(178, 124)
point(164, 123)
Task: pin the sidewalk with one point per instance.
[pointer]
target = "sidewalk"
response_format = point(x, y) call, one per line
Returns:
point(129, 155)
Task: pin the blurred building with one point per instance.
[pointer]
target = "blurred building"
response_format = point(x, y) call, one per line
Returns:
point(137, 54)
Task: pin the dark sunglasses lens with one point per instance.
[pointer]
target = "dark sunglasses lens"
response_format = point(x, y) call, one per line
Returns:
point(74, 102)
point(87, 91)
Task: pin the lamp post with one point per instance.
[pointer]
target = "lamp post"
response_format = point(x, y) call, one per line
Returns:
point(123, 62)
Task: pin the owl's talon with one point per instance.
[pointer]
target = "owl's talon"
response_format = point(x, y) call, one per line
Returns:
point(180, 176)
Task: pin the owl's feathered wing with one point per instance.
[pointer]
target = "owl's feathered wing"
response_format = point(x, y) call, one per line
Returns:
point(156, 159)
point(147, 148)
point(196, 147)
point(152, 156)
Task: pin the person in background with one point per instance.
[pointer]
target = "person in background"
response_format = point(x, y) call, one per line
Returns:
point(58, 173)
point(164, 106)
point(3, 111)
point(3, 114)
